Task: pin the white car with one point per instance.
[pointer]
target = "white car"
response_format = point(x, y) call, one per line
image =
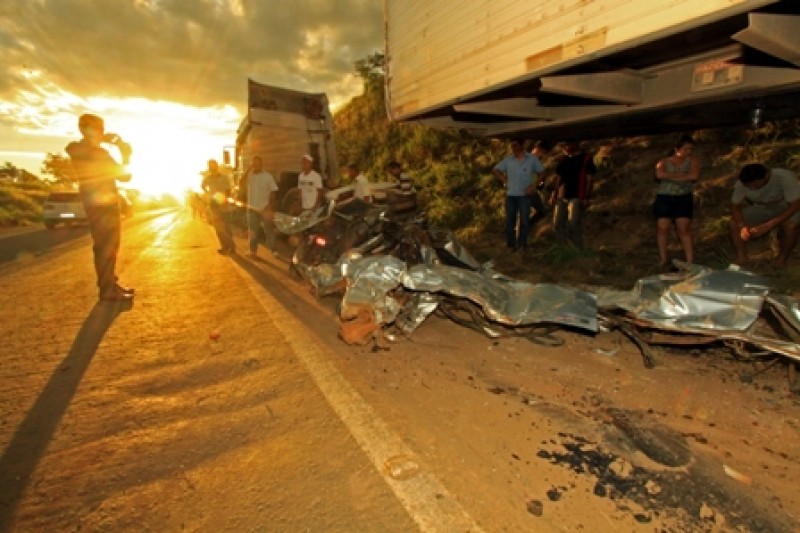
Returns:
point(66, 207)
point(63, 207)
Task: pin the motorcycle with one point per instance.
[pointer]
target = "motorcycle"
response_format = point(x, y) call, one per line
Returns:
point(354, 225)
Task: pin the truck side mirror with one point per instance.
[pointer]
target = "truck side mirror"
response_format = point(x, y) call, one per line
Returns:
point(226, 157)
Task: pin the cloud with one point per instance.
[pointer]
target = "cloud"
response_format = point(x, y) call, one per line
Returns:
point(151, 65)
point(197, 52)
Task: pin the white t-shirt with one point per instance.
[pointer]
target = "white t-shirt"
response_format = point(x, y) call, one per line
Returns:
point(362, 188)
point(781, 187)
point(259, 187)
point(309, 185)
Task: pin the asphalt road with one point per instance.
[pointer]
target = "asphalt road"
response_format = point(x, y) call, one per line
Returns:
point(21, 244)
point(204, 405)
point(36, 240)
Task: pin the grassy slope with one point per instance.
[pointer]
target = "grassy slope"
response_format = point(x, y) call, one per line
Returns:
point(620, 229)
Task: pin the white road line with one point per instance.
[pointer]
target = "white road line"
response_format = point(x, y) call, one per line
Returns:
point(425, 498)
point(163, 227)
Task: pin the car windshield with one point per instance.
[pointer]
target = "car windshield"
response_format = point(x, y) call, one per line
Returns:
point(64, 197)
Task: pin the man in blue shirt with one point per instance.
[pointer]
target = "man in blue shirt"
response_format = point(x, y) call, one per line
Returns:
point(520, 172)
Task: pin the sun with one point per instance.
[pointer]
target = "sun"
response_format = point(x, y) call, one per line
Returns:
point(171, 143)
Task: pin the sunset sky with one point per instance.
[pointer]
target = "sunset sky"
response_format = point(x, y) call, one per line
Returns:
point(169, 76)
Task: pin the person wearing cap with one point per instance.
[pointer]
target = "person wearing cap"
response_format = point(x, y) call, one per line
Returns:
point(765, 199)
point(573, 193)
point(97, 174)
point(360, 183)
point(519, 171)
point(310, 185)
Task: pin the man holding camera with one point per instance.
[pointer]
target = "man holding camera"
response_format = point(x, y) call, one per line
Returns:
point(97, 173)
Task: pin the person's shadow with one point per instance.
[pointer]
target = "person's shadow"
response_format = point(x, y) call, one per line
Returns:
point(30, 441)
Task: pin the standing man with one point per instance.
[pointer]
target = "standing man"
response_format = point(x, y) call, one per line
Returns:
point(519, 172)
point(310, 185)
point(538, 209)
point(765, 199)
point(218, 189)
point(261, 188)
point(97, 173)
point(360, 182)
point(573, 193)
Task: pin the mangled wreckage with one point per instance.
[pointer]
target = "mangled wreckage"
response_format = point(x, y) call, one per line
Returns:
point(395, 271)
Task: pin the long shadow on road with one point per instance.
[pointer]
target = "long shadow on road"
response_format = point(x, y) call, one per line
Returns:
point(30, 441)
point(282, 284)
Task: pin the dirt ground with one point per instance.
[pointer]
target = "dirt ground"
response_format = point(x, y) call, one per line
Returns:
point(582, 436)
point(145, 421)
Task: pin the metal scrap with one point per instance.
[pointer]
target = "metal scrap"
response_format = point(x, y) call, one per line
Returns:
point(403, 280)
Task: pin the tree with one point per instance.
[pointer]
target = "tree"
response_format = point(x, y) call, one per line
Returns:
point(371, 69)
point(59, 167)
point(18, 174)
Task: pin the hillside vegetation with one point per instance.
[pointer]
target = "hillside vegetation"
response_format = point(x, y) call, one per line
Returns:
point(21, 203)
point(451, 170)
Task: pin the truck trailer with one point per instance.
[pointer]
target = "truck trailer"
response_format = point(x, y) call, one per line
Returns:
point(281, 126)
point(591, 68)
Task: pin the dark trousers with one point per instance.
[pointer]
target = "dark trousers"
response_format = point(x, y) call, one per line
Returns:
point(219, 218)
point(568, 220)
point(256, 225)
point(538, 208)
point(104, 226)
point(518, 209)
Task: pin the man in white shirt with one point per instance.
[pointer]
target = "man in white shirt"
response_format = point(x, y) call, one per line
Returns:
point(261, 188)
point(310, 185)
point(360, 183)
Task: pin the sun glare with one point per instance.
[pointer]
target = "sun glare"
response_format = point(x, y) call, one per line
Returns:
point(171, 142)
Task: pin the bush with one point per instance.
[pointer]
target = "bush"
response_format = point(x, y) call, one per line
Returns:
point(21, 203)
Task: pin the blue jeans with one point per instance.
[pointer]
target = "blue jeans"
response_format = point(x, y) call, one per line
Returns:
point(256, 225)
point(518, 210)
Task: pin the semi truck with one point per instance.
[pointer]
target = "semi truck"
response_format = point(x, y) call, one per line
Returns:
point(282, 125)
point(591, 68)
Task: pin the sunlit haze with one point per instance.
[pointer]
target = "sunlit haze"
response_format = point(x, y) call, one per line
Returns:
point(171, 142)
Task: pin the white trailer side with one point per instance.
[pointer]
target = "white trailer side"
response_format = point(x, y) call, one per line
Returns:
point(502, 66)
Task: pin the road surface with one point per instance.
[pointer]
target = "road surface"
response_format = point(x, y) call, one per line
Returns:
point(222, 400)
